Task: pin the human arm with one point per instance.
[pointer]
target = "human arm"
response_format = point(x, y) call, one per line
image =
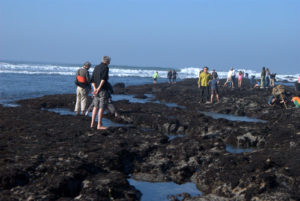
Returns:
point(199, 80)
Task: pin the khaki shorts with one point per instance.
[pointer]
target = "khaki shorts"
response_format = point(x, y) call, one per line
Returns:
point(101, 100)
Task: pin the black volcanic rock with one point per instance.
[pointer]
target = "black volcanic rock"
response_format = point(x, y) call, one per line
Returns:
point(46, 156)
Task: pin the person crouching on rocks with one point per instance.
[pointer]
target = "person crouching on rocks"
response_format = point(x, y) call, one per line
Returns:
point(203, 80)
point(296, 101)
point(214, 89)
point(83, 87)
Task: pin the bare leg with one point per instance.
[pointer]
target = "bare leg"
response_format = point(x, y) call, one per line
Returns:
point(100, 114)
point(217, 95)
point(211, 98)
point(93, 116)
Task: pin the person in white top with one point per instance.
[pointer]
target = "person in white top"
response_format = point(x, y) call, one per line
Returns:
point(229, 78)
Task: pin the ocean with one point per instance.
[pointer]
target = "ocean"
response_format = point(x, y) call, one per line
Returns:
point(23, 80)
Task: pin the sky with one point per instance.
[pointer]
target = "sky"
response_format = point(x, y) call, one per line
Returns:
point(167, 33)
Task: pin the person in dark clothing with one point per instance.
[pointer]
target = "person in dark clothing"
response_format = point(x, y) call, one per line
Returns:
point(174, 76)
point(252, 80)
point(111, 108)
point(100, 86)
point(170, 76)
point(272, 79)
point(263, 78)
point(214, 74)
point(214, 89)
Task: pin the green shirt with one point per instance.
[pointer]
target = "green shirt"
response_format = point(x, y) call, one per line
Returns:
point(204, 79)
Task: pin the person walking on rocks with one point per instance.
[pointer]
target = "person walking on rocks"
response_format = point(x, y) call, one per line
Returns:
point(203, 80)
point(100, 86)
point(229, 78)
point(262, 78)
point(83, 87)
point(155, 76)
point(174, 76)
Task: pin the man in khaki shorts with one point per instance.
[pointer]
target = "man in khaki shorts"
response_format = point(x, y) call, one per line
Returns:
point(100, 86)
point(83, 86)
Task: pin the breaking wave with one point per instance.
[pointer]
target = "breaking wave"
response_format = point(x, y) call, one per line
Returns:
point(119, 71)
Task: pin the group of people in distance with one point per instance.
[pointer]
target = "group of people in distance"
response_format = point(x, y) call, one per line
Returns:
point(267, 79)
point(172, 75)
point(101, 91)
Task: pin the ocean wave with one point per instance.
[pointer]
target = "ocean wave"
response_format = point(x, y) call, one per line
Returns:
point(120, 71)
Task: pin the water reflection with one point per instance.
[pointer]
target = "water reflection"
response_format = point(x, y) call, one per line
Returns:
point(237, 150)
point(65, 111)
point(159, 191)
point(231, 117)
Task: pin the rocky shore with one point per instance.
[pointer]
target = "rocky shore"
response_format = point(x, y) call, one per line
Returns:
point(47, 156)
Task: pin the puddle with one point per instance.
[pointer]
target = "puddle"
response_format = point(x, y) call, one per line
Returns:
point(159, 191)
point(231, 117)
point(149, 99)
point(237, 150)
point(170, 104)
point(289, 84)
point(10, 105)
point(130, 98)
point(65, 111)
point(172, 137)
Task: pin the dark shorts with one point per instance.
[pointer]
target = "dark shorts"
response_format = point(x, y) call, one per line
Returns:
point(214, 91)
point(154, 79)
point(101, 100)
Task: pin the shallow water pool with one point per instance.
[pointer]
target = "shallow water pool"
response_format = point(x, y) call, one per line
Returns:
point(65, 111)
point(237, 150)
point(149, 99)
point(231, 117)
point(159, 191)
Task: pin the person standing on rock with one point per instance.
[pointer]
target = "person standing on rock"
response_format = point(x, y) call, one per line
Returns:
point(229, 78)
point(214, 89)
point(99, 83)
point(268, 74)
point(203, 80)
point(240, 79)
point(272, 79)
point(155, 76)
point(83, 86)
point(170, 76)
point(174, 76)
point(214, 74)
point(262, 78)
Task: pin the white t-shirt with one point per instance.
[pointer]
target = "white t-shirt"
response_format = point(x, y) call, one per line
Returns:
point(229, 75)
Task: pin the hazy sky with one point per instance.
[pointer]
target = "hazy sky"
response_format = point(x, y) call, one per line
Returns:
point(180, 33)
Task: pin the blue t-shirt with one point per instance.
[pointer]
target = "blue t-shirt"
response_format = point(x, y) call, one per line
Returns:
point(213, 84)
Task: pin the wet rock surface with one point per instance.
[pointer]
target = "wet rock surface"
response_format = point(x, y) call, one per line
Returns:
point(46, 156)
